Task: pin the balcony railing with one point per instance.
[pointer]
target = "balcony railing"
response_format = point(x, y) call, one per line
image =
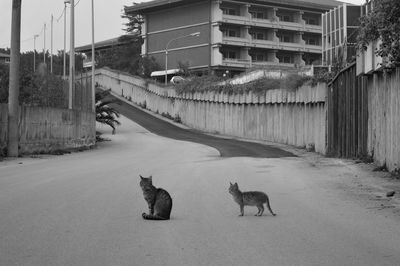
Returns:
point(236, 62)
point(268, 23)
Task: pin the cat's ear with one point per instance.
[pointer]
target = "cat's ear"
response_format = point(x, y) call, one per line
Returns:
point(236, 184)
point(231, 183)
point(151, 177)
point(141, 177)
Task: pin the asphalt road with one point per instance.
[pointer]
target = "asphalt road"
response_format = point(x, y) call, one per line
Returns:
point(226, 147)
point(85, 209)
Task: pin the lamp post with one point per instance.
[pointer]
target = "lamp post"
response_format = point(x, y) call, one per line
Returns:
point(65, 39)
point(93, 61)
point(194, 34)
point(44, 43)
point(34, 52)
point(71, 55)
point(13, 89)
point(51, 45)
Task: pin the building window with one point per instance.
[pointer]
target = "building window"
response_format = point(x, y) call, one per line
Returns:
point(258, 35)
point(285, 37)
point(229, 11)
point(229, 54)
point(230, 33)
point(258, 15)
point(286, 18)
point(310, 21)
point(258, 57)
point(287, 59)
point(311, 41)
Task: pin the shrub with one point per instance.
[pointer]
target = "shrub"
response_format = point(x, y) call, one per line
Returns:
point(260, 86)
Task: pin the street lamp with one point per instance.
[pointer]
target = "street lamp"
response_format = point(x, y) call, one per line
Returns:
point(65, 38)
point(34, 51)
point(93, 61)
point(71, 55)
point(194, 34)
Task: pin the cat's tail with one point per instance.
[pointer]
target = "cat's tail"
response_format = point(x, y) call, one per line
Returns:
point(153, 217)
point(269, 208)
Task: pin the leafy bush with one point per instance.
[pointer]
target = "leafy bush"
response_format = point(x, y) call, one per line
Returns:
point(105, 113)
point(383, 22)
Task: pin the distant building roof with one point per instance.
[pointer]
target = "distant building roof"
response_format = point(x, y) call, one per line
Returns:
point(105, 44)
point(155, 4)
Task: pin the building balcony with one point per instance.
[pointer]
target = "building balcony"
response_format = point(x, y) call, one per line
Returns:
point(240, 63)
point(244, 63)
point(236, 41)
point(267, 23)
point(268, 63)
point(268, 44)
point(313, 48)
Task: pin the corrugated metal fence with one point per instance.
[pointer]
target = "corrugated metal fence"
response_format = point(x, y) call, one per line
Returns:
point(347, 100)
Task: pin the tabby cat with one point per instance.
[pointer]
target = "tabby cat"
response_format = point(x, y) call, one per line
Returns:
point(250, 198)
point(159, 200)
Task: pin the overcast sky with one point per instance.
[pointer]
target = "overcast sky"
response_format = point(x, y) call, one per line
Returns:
point(108, 21)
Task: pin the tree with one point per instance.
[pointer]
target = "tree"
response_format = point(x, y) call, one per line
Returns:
point(126, 57)
point(383, 23)
point(105, 114)
point(135, 21)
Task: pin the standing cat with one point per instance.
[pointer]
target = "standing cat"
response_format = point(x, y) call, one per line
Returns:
point(250, 198)
point(159, 200)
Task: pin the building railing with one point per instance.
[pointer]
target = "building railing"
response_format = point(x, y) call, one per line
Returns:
point(268, 44)
point(268, 23)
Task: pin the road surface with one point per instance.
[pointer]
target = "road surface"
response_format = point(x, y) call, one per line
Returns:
point(85, 209)
point(226, 147)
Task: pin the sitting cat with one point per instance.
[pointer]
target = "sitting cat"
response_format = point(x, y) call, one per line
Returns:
point(250, 198)
point(159, 200)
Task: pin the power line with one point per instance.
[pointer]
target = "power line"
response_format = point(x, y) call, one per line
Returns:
point(62, 14)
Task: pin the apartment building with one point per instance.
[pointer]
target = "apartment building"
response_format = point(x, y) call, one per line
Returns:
point(339, 34)
point(220, 35)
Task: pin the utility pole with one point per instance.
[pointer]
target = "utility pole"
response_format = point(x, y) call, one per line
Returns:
point(13, 89)
point(34, 52)
point(65, 39)
point(44, 43)
point(93, 61)
point(51, 45)
point(72, 55)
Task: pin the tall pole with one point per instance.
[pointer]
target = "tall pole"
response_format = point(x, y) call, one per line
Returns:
point(65, 40)
point(34, 52)
point(44, 43)
point(166, 65)
point(72, 55)
point(13, 89)
point(93, 61)
point(51, 45)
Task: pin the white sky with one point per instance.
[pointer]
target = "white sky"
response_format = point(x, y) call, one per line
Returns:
point(108, 21)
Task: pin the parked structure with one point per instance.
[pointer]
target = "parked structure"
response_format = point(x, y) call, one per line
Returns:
point(234, 35)
point(339, 33)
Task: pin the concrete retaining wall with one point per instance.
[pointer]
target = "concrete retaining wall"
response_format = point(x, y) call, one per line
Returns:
point(44, 129)
point(289, 117)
